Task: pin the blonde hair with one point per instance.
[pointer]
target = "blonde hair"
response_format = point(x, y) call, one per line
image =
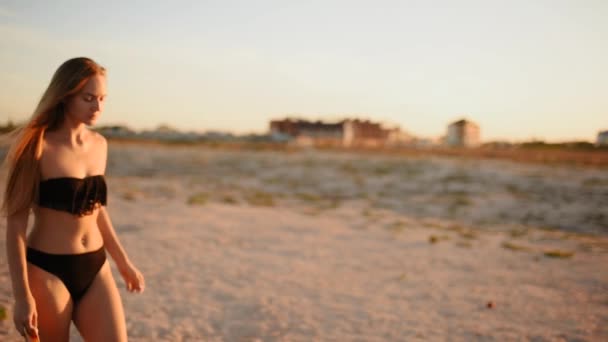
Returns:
point(24, 153)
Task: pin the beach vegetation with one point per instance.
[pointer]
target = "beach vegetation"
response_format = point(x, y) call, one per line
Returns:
point(469, 234)
point(228, 199)
point(514, 247)
point(518, 232)
point(437, 238)
point(200, 198)
point(556, 253)
point(260, 198)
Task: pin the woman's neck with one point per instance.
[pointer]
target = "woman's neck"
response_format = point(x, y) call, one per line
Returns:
point(74, 133)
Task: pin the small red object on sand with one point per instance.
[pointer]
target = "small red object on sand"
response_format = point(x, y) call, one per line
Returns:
point(491, 305)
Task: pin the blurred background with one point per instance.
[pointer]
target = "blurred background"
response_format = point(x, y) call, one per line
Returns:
point(342, 170)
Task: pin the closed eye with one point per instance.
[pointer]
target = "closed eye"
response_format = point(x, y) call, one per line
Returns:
point(91, 97)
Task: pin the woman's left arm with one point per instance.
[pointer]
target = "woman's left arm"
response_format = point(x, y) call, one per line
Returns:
point(134, 280)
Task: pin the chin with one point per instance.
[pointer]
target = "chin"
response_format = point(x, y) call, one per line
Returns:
point(89, 122)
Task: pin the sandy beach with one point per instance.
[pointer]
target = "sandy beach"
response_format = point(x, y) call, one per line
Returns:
point(245, 245)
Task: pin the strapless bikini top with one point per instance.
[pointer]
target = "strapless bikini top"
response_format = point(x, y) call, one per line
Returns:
point(79, 196)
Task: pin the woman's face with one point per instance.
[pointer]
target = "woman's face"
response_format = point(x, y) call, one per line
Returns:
point(87, 105)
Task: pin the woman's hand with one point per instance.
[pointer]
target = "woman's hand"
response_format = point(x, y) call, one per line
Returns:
point(134, 280)
point(25, 317)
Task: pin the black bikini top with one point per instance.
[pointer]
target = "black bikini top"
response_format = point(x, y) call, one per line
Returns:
point(79, 196)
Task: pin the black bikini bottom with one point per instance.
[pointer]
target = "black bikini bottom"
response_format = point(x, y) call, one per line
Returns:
point(76, 271)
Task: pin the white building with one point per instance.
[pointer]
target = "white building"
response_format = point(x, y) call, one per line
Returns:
point(602, 138)
point(463, 133)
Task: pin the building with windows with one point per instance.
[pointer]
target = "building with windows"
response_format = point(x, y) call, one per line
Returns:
point(602, 138)
point(346, 133)
point(463, 133)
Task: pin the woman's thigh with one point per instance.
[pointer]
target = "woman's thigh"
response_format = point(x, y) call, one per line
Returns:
point(53, 304)
point(99, 315)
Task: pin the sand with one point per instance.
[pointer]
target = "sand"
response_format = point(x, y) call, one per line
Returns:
point(325, 246)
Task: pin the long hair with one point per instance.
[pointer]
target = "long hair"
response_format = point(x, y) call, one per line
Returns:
point(23, 158)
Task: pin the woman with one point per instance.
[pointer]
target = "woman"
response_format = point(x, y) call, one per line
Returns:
point(55, 168)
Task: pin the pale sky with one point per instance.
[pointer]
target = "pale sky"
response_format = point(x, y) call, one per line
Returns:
point(520, 69)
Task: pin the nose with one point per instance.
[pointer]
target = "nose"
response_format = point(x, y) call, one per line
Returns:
point(97, 105)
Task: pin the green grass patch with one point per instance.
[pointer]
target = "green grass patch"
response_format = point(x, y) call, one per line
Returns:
point(273, 180)
point(308, 197)
point(517, 233)
point(367, 212)
point(200, 198)
point(331, 203)
point(548, 229)
point(436, 238)
point(595, 181)
point(460, 199)
point(469, 234)
point(456, 228)
point(381, 170)
point(514, 247)
point(432, 225)
point(228, 199)
point(322, 203)
point(556, 253)
point(516, 191)
point(260, 198)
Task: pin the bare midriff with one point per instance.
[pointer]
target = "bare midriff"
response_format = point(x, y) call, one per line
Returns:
point(60, 232)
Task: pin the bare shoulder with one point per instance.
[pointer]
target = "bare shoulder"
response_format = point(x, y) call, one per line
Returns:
point(99, 140)
point(99, 152)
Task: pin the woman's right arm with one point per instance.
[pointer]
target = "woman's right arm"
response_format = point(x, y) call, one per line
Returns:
point(24, 315)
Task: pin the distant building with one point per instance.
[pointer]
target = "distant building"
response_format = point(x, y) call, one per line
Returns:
point(347, 133)
point(463, 133)
point(602, 138)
